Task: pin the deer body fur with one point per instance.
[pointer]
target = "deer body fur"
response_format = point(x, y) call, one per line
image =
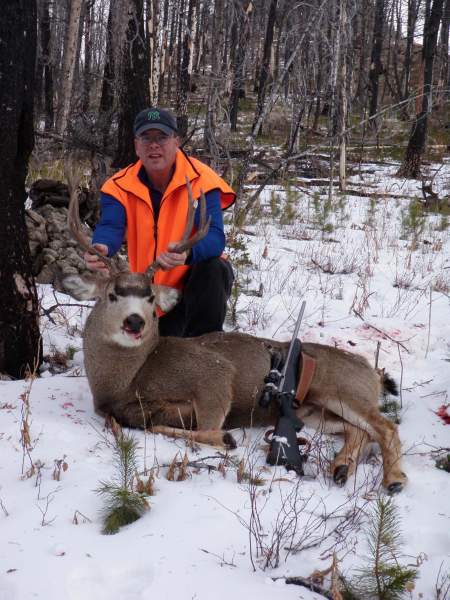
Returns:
point(199, 387)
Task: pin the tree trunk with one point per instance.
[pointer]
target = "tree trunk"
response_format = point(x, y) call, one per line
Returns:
point(185, 73)
point(416, 145)
point(209, 135)
point(164, 49)
point(443, 51)
point(47, 68)
point(20, 341)
point(156, 49)
point(68, 69)
point(343, 95)
point(174, 22)
point(376, 68)
point(239, 42)
point(413, 11)
point(107, 95)
point(134, 89)
point(264, 72)
point(87, 71)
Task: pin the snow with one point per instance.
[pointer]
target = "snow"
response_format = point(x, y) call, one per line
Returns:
point(194, 541)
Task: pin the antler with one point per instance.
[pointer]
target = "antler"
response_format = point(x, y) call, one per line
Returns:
point(74, 222)
point(187, 242)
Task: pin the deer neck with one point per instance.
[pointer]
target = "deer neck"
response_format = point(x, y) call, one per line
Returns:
point(112, 367)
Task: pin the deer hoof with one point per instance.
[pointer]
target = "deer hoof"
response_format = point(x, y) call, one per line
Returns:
point(394, 488)
point(228, 441)
point(340, 474)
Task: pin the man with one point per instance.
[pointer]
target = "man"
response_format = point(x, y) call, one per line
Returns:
point(147, 202)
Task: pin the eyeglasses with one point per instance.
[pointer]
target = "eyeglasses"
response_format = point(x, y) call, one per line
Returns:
point(159, 140)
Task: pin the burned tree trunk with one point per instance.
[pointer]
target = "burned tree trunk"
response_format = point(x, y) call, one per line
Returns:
point(264, 72)
point(44, 84)
point(133, 88)
point(443, 51)
point(239, 42)
point(413, 11)
point(376, 67)
point(20, 341)
point(185, 73)
point(416, 144)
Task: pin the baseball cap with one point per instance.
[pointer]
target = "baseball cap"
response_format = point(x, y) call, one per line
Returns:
point(155, 118)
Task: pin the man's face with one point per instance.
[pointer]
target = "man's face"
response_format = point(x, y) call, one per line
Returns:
point(157, 150)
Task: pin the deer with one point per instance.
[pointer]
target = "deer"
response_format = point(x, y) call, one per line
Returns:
point(200, 388)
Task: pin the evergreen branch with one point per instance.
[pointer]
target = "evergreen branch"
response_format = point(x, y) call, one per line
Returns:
point(122, 505)
point(384, 578)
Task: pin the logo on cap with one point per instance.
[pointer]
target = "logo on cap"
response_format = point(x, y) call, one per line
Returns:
point(153, 115)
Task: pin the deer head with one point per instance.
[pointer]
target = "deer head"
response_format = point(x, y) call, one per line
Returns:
point(126, 303)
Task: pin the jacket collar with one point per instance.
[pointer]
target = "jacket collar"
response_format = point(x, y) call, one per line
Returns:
point(183, 168)
point(128, 179)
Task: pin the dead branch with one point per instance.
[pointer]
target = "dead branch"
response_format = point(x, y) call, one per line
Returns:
point(307, 583)
point(4, 508)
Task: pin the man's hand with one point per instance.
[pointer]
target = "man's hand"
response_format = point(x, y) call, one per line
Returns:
point(168, 260)
point(93, 262)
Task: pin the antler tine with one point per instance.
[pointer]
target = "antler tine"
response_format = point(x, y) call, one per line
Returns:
point(191, 214)
point(75, 226)
point(187, 242)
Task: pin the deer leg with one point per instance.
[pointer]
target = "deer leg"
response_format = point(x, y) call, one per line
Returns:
point(345, 462)
point(386, 434)
point(210, 416)
point(201, 436)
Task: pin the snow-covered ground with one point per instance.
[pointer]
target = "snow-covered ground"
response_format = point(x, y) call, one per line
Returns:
point(370, 271)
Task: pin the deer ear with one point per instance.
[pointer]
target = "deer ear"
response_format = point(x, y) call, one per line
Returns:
point(166, 297)
point(82, 287)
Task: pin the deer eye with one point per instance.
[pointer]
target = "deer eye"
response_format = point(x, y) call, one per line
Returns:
point(112, 297)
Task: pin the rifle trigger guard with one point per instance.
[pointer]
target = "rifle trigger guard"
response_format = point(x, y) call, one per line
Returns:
point(301, 441)
point(268, 436)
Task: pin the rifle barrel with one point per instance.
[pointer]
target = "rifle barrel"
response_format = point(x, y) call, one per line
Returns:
point(291, 346)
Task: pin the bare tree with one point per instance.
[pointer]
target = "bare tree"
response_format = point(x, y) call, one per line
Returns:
point(413, 13)
point(20, 343)
point(44, 89)
point(184, 77)
point(376, 68)
point(133, 89)
point(70, 59)
point(416, 145)
point(264, 71)
point(239, 42)
point(443, 66)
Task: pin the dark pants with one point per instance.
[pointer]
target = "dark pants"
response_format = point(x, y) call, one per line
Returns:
point(203, 306)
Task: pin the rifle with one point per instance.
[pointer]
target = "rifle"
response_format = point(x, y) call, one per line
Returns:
point(281, 385)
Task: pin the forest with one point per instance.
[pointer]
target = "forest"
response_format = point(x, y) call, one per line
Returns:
point(348, 79)
point(330, 120)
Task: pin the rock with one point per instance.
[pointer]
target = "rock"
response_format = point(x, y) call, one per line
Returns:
point(52, 246)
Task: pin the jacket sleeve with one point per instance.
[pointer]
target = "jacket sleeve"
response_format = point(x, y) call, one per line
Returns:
point(110, 230)
point(214, 243)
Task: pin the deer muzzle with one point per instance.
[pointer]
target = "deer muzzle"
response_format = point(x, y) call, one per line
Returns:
point(133, 325)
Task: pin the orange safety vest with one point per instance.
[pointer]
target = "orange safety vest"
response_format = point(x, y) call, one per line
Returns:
point(146, 238)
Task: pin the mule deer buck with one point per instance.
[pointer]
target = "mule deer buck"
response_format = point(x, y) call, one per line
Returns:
point(212, 383)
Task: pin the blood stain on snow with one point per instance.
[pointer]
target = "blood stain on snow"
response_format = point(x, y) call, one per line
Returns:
point(444, 412)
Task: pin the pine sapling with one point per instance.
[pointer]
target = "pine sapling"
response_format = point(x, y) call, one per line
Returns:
point(123, 505)
point(384, 578)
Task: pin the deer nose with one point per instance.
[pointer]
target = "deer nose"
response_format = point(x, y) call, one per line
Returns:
point(134, 323)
